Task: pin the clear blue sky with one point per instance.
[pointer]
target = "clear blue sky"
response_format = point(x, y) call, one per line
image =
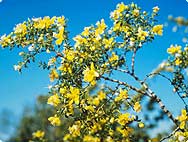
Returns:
point(18, 90)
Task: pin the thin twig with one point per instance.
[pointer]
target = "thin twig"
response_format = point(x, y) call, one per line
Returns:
point(170, 135)
point(133, 61)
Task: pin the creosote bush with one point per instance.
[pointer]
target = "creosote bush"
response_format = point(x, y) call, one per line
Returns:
point(83, 87)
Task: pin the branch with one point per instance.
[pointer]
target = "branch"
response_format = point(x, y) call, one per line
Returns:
point(152, 95)
point(133, 60)
point(170, 135)
point(123, 83)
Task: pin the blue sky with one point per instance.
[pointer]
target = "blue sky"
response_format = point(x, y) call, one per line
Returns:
point(19, 90)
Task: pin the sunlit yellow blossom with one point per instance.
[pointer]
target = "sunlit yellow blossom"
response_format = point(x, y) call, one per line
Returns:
point(61, 20)
point(114, 57)
point(86, 31)
point(90, 74)
point(158, 29)
point(75, 129)
point(5, 40)
point(123, 94)
point(54, 100)
point(74, 94)
point(137, 107)
point(38, 134)
point(89, 138)
point(20, 29)
point(155, 9)
point(96, 101)
point(53, 75)
point(123, 119)
point(101, 26)
point(55, 120)
point(101, 95)
point(142, 34)
point(125, 131)
point(69, 54)
point(183, 118)
point(136, 12)
point(96, 127)
point(108, 42)
point(79, 40)
point(178, 61)
point(174, 49)
point(60, 36)
point(121, 7)
point(66, 67)
point(90, 108)
point(141, 125)
point(117, 26)
point(63, 90)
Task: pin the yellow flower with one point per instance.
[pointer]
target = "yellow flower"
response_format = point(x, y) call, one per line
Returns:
point(38, 134)
point(60, 36)
point(183, 118)
point(114, 57)
point(69, 54)
point(20, 29)
point(79, 40)
point(178, 61)
point(174, 49)
point(137, 107)
point(96, 101)
point(55, 120)
point(61, 20)
point(125, 131)
point(75, 129)
point(141, 125)
point(74, 94)
point(108, 42)
point(123, 94)
point(136, 12)
point(155, 9)
point(117, 26)
point(5, 40)
point(86, 31)
point(123, 119)
point(121, 7)
point(96, 127)
point(142, 34)
point(90, 74)
point(158, 29)
point(54, 100)
point(53, 75)
point(101, 95)
point(101, 26)
point(46, 22)
point(89, 138)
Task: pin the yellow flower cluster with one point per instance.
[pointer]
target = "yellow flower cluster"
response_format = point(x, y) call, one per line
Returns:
point(54, 100)
point(53, 75)
point(123, 119)
point(55, 120)
point(90, 74)
point(20, 29)
point(158, 29)
point(174, 49)
point(123, 94)
point(183, 118)
point(38, 134)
